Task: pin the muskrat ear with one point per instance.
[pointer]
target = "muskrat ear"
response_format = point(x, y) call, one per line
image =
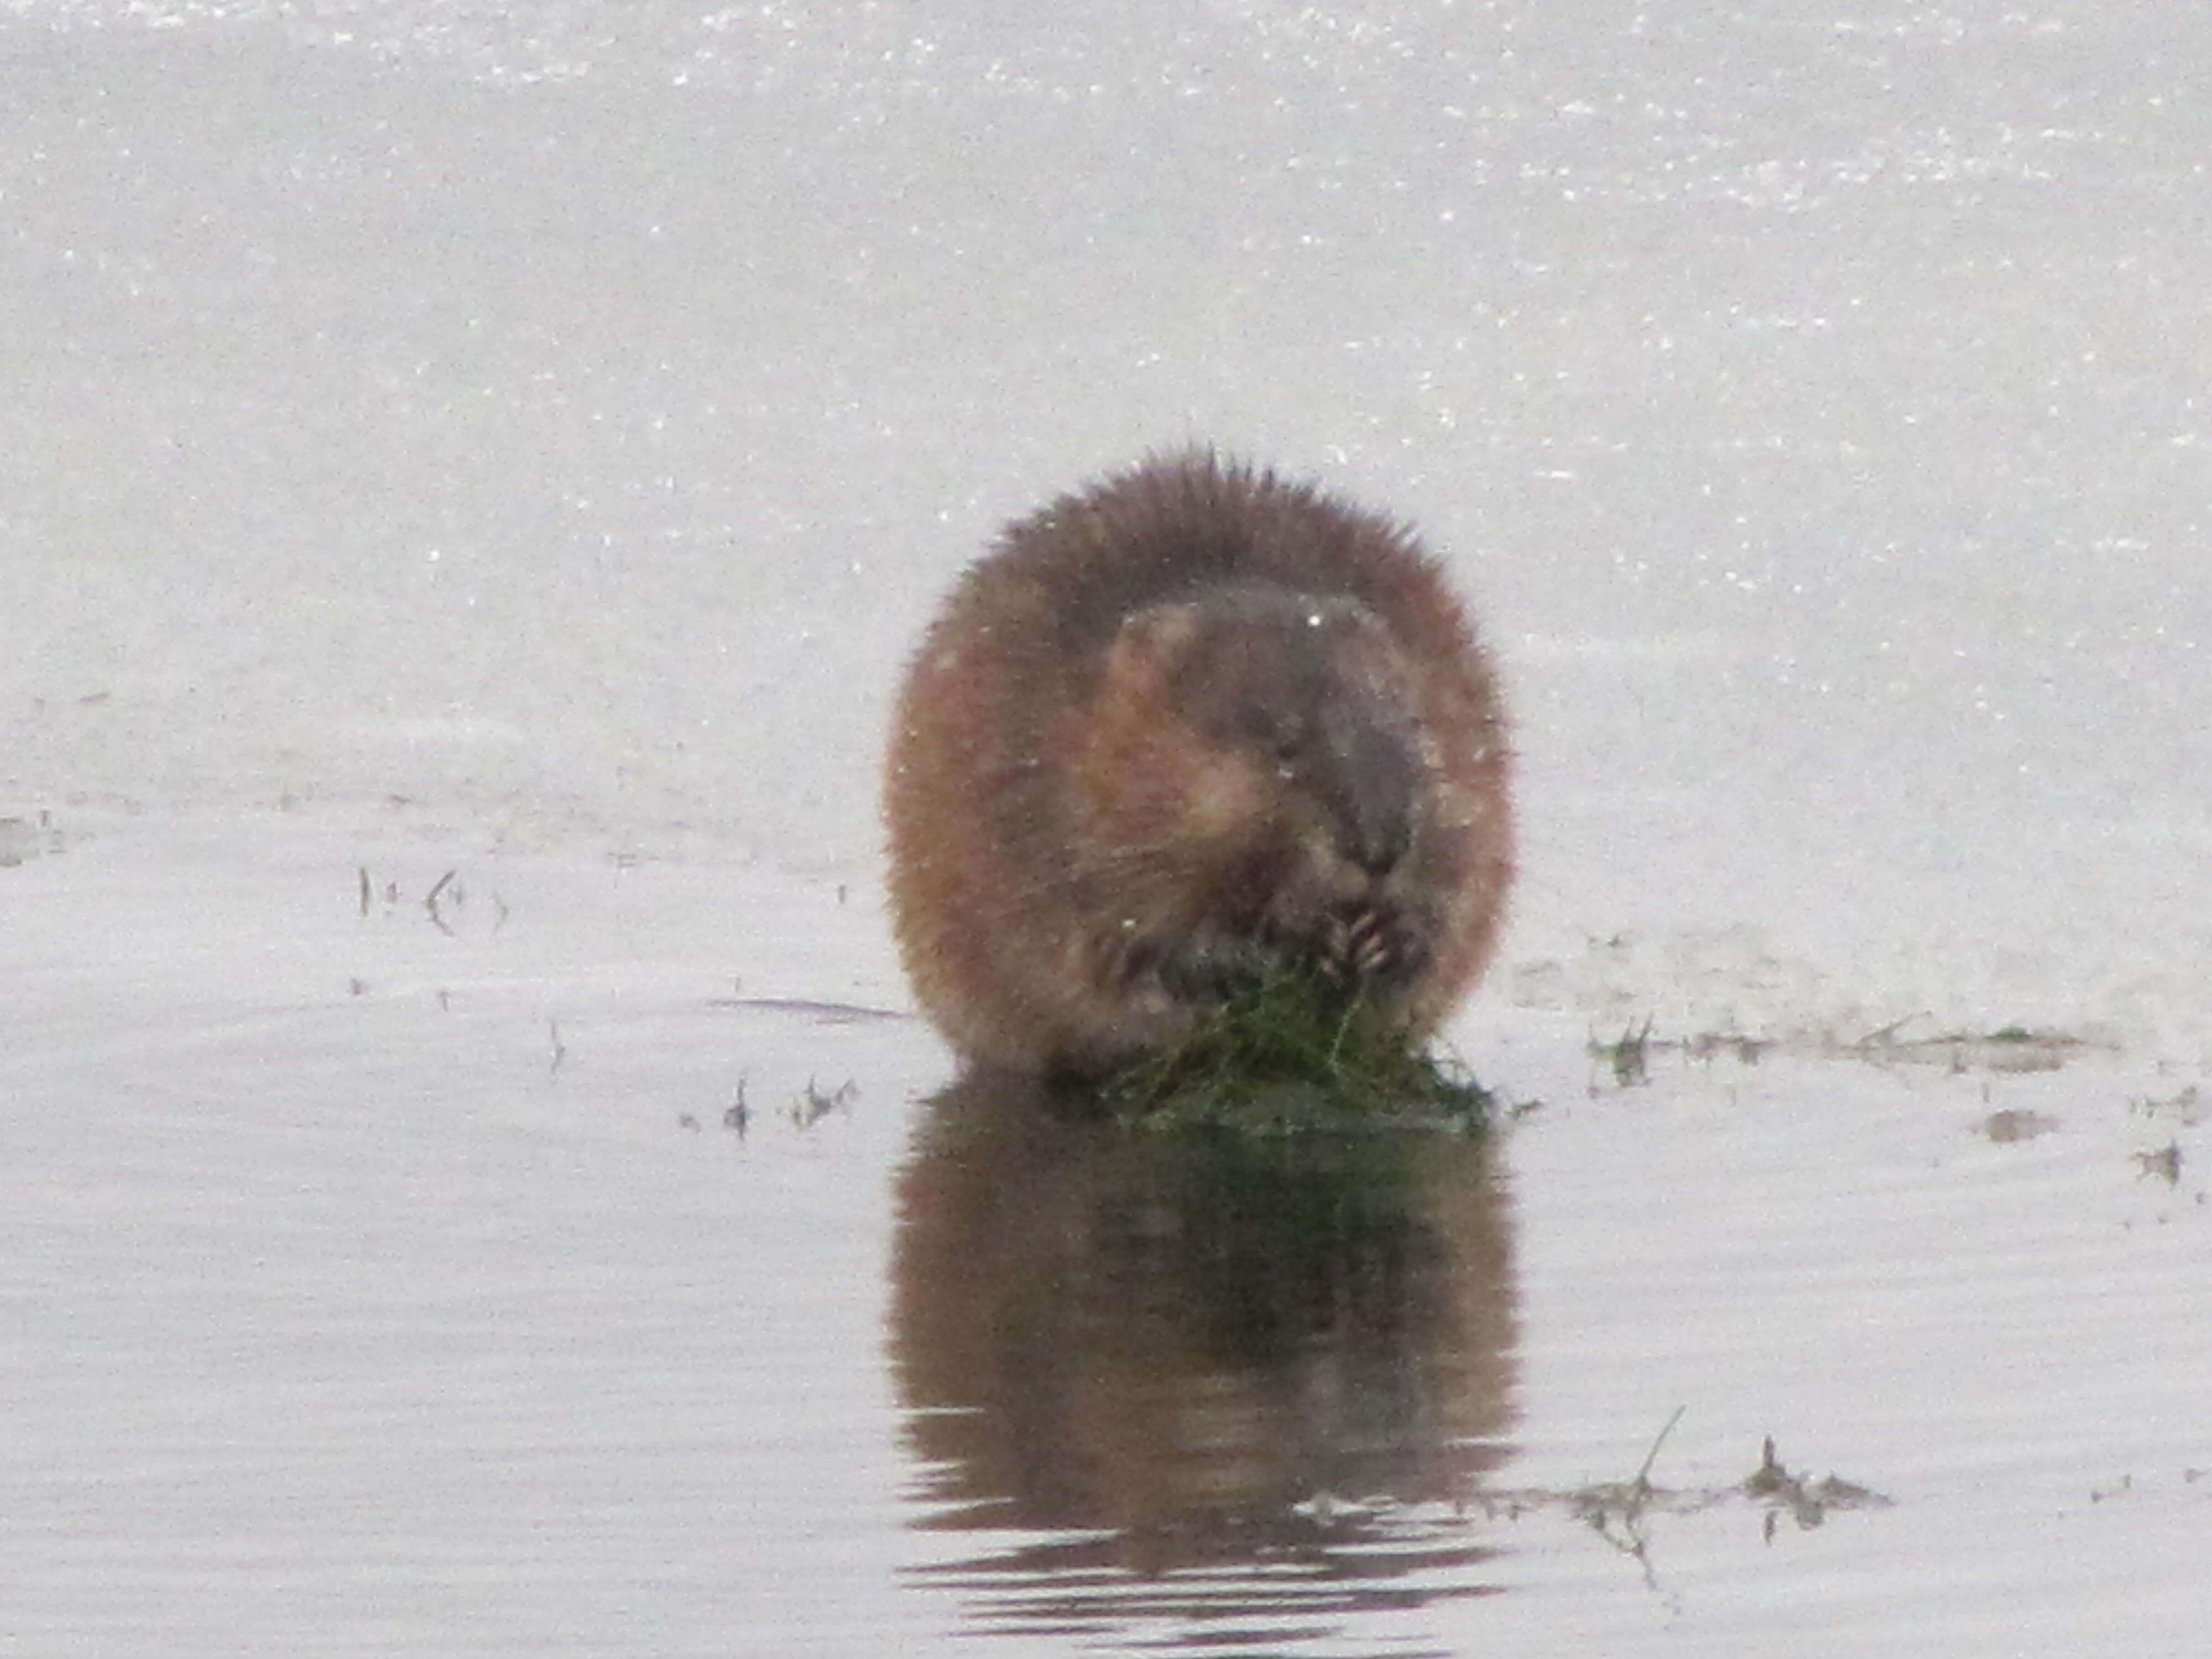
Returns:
point(1149, 645)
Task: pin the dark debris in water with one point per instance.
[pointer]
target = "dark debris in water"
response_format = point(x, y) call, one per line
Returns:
point(2012, 1123)
point(2009, 1048)
point(1618, 1510)
point(1805, 1501)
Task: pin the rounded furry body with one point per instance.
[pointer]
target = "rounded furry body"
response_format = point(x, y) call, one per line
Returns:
point(1187, 727)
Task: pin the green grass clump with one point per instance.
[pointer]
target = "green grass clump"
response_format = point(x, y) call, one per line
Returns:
point(1298, 1053)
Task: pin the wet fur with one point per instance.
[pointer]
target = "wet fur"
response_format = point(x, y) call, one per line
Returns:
point(1184, 728)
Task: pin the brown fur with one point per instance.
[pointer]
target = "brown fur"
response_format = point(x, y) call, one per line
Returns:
point(1186, 725)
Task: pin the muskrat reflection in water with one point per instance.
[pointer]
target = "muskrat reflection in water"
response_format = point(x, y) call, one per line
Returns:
point(1176, 1345)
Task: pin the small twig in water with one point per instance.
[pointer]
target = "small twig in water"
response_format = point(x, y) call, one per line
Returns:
point(1882, 1034)
point(811, 1108)
point(1630, 1057)
point(1644, 1472)
point(430, 901)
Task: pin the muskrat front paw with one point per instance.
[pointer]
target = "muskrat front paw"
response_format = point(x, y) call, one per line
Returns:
point(1386, 945)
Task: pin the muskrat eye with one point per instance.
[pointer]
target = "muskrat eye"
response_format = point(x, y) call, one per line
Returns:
point(1284, 738)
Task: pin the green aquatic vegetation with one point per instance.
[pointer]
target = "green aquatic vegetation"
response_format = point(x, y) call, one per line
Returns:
point(1299, 1052)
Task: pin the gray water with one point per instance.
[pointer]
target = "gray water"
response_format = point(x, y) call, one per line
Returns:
point(524, 442)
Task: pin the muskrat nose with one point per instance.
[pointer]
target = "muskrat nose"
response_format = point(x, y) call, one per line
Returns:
point(1377, 841)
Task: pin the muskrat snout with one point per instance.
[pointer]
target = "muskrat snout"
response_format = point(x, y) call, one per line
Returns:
point(1369, 778)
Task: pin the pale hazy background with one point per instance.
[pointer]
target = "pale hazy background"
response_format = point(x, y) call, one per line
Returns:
point(560, 417)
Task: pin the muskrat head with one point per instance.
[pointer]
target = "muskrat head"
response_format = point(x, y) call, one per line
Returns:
point(1270, 743)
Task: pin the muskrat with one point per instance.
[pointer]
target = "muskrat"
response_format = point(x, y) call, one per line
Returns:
point(1190, 725)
